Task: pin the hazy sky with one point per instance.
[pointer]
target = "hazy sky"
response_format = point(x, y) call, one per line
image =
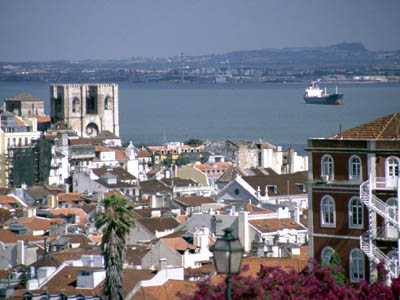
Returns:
point(80, 29)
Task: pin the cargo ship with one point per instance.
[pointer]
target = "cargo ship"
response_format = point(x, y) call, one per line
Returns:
point(315, 95)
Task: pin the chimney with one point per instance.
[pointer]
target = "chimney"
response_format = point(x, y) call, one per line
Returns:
point(20, 253)
point(244, 230)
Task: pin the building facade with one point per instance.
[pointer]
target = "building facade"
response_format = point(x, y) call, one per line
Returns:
point(87, 109)
point(24, 105)
point(354, 197)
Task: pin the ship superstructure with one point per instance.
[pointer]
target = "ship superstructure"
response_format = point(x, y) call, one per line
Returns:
point(315, 95)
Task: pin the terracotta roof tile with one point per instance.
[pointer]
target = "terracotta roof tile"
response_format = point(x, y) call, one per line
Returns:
point(42, 119)
point(154, 186)
point(70, 211)
point(135, 254)
point(194, 200)
point(37, 223)
point(8, 237)
point(178, 244)
point(159, 224)
point(74, 254)
point(95, 238)
point(272, 225)
point(24, 97)
point(384, 128)
point(280, 181)
point(167, 291)
point(10, 201)
point(119, 172)
point(143, 153)
point(120, 155)
point(71, 197)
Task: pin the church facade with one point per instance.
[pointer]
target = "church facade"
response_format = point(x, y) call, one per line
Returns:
point(87, 109)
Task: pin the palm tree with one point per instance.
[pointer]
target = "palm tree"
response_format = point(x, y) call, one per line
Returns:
point(115, 222)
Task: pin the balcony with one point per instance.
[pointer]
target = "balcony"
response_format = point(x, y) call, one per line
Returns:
point(384, 183)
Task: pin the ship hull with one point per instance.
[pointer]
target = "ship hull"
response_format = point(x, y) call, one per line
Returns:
point(332, 99)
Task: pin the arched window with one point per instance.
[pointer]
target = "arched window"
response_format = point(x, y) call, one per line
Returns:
point(328, 212)
point(327, 166)
point(75, 104)
point(355, 168)
point(326, 254)
point(357, 270)
point(355, 213)
point(392, 171)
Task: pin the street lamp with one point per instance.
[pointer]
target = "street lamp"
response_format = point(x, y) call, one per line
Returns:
point(228, 252)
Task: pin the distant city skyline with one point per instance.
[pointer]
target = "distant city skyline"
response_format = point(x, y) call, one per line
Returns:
point(46, 30)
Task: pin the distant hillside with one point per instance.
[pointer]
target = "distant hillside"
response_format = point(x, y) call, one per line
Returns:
point(343, 54)
point(340, 54)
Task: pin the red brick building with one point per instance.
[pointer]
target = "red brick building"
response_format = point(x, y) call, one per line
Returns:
point(354, 195)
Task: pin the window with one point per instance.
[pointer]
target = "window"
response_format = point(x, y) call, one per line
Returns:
point(327, 166)
point(355, 168)
point(328, 214)
point(355, 213)
point(356, 265)
point(326, 254)
point(393, 166)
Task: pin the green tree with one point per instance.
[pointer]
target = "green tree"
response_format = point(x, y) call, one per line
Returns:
point(115, 222)
point(335, 269)
point(194, 142)
point(168, 160)
point(205, 157)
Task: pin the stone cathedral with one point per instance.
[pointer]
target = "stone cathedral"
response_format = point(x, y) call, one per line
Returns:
point(86, 108)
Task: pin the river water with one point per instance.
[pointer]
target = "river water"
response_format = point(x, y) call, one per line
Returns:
point(156, 113)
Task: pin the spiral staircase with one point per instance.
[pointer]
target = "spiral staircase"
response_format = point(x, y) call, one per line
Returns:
point(388, 233)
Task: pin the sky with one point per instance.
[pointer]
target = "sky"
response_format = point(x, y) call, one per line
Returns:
point(46, 30)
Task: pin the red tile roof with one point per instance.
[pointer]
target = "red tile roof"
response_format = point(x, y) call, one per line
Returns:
point(272, 225)
point(384, 128)
point(37, 223)
point(42, 119)
point(194, 200)
point(159, 224)
point(71, 197)
point(167, 291)
point(143, 153)
point(10, 201)
point(8, 237)
point(178, 244)
point(70, 211)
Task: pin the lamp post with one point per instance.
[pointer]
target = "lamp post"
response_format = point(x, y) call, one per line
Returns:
point(227, 252)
